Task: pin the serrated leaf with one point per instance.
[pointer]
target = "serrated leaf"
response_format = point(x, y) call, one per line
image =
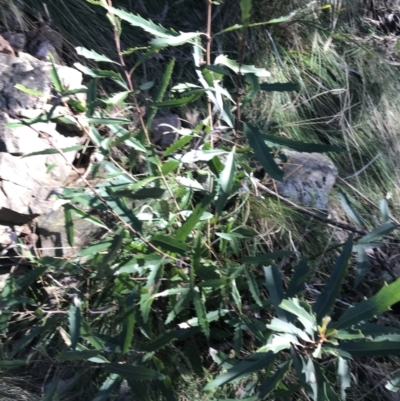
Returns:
point(138, 21)
point(280, 326)
point(131, 372)
point(116, 98)
point(236, 295)
point(308, 321)
point(253, 287)
point(92, 55)
point(367, 309)
point(326, 299)
point(262, 152)
point(190, 183)
point(241, 68)
point(201, 314)
point(74, 317)
point(177, 145)
point(370, 349)
point(242, 370)
point(177, 40)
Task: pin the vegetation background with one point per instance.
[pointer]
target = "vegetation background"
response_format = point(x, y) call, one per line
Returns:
point(205, 284)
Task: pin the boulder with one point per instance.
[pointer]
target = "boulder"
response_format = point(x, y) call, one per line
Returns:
point(308, 179)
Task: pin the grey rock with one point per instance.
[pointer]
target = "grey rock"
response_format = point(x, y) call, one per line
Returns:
point(31, 74)
point(308, 179)
point(163, 130)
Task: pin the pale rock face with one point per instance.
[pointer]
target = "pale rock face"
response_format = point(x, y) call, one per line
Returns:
point(308, 179)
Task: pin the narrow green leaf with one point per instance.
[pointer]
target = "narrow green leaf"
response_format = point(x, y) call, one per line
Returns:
point(164, 339)
point(144, 193)
point(242, 370)
point(129, 323)
point(236, 295)
point(131, 372)
point(107, 121)
point(367, 309)
point(262, 152)
point(266, 258)
point(226, 180)
point(296, 284)
point(11, 364)
point(370, 349)
point(273, 280)
point(78, 355)
point(170, 244)
point(349, 209)
point(378, 233)
point(241, 68)
point(245, 7)
point(362, 264)
point(280, 87)
point(184, 231)
point(74, 317)
point(176, 102)
point(29, 91)
point(273, 381)
point(69, 224)
point(125, 213)
point(301, 146)
point(384, 207)
point(326, 299)
point(107, 387)
point(394, 383)
point(344, 376)
point(169, 166)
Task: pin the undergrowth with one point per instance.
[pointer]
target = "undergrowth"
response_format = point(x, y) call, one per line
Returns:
point(207, 284)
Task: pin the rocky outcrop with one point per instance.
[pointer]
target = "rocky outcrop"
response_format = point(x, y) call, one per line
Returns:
point(27, 181)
